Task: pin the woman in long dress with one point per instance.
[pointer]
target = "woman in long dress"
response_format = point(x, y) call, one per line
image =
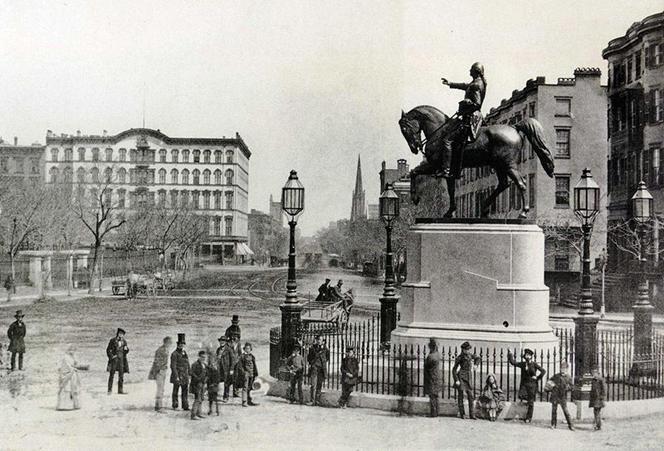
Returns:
point(69, 388)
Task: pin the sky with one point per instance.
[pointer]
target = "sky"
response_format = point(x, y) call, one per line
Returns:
point(309, 85)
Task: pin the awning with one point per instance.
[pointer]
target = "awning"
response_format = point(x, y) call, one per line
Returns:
point(243, 249)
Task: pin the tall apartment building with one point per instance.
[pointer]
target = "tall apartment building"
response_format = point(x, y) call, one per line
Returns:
point(636, 121)
point(572, 113)
point(144, 167)
point(21, 162)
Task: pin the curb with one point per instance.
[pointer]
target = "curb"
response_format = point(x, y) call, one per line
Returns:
point(512, 411)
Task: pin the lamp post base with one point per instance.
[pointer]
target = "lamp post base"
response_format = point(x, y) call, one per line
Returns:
point(388, 317)
point(291, 319)
point(585, 355)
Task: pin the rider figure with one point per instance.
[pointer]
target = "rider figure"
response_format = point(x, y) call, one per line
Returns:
point(466, 125)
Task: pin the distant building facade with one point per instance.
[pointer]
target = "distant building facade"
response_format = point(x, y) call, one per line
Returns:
point(146, 167)
point(18, 162)
point(276, 211)
point(635, 122)
point(373, 211)
point(572, 113)
point(359, 204)
point(399, 177)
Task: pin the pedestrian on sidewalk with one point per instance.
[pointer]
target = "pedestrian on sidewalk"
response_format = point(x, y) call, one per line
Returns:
point(198, 378)
point(295, 366)
point(117, 351)
point(559, 385)
point(16, 335)
point(492, 398)
point(246, 372)
point(159, 369)
point(349, 376)
point(317, 358)
point(597, 397)
point(180, 374)
point(213, 381)
point(432, 377)
point(227, 364)
point(461, 372)
point(531, 373)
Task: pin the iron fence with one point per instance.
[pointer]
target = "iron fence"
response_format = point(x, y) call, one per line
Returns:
point(399, 369)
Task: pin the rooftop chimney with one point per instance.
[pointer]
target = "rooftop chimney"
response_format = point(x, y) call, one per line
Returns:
point(104, 133)
point(78, 133)
point(16, 140)
point(402, 168)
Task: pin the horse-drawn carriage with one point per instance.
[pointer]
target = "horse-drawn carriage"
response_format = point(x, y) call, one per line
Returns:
point(330, 309)
point(136, 285)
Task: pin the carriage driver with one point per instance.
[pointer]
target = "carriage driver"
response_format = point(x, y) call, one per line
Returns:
point(467, 124)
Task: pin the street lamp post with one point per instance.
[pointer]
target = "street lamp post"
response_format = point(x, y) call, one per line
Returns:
point(389, 211)
point(292, 203)
point(586, 207)
point(642, 213)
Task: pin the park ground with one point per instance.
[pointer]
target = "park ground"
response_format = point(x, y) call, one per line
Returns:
point(29, 419)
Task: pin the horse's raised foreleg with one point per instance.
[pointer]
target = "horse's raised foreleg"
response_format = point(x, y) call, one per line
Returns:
point(521, 184)
point(452, 201)
point(502, 186)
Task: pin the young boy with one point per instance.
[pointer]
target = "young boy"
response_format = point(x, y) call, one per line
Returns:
point(597, 397)
point(213, 381)
point(349, 371)
point(197, 386)
point(247, 371)
point(295, 365)
point(562, 384)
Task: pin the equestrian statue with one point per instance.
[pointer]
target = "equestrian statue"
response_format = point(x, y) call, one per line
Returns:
point(454, 143)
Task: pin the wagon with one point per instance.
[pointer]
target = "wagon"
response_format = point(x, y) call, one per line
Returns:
point(328, 311)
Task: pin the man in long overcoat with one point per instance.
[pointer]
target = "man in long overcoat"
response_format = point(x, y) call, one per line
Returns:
point(234, 329)
point(227, 363)
point(463, 366)
point(198, 379)
point(432, 377)
point(349, 376)
point(531, 373)
point(16, 335)
point(180, 374)
point(246, 373)
point(317, 358)
point(117, 351)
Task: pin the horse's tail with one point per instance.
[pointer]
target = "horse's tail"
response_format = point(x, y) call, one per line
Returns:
point(532, 129)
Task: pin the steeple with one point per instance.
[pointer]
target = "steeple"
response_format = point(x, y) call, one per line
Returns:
point(359, 207)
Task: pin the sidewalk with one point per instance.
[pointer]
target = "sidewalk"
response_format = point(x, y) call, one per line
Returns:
point(560, 313)
point(26, 295)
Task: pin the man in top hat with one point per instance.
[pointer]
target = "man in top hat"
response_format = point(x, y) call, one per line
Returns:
point(234, 329)
point(180, 374)
point(324, 291)
point(560, 384)
point(350, 369)
point(117, 351)
point(158, 371)
point(16, 335)
point(463, 367)
point(531, 373)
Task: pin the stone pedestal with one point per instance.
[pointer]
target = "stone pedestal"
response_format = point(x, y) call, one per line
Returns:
point(480, 281)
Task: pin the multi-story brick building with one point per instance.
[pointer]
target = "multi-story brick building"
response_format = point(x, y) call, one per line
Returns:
point(145, 167)
point(572, 113)
point(636, 122)
point(21, 162)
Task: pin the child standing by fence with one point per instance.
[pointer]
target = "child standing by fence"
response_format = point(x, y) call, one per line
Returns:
point(349, 376)
point(558, 387)
point(492, 398)
point(597, 397)
point(295, 365)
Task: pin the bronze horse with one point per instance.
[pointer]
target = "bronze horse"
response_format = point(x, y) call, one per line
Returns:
point(496, 146)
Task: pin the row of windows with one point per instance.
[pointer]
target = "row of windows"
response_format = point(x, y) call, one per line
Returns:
point(470, 204)
point(625, 112)
point(142, 176)
point(18, 165)
point(629, 69)
point(197, 200)
point(148, 156)
point(627, 171)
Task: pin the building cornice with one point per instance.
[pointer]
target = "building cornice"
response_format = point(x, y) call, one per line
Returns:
point(52, 139)
point(634, 34)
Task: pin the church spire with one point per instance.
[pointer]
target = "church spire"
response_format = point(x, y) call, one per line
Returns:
point(358, 209)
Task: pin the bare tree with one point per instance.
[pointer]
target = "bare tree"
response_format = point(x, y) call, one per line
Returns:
point(191, 229)
point(638, 240)
point(163, 229)
point(100, 215)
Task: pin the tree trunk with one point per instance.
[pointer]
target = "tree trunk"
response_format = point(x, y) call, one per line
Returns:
point(69, 274)
point(91, 271)
point(101, 269)
point(11, 260)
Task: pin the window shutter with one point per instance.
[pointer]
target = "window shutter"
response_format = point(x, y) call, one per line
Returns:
point(647, 106)
point(660, 53)
point(649, 51)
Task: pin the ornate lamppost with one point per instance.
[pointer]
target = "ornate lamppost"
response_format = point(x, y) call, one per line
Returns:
point(389, 210)
point(642, 214)
point(292, 203)
point(586, 207)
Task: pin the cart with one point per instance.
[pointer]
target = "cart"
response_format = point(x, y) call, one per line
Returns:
point(328, 311)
